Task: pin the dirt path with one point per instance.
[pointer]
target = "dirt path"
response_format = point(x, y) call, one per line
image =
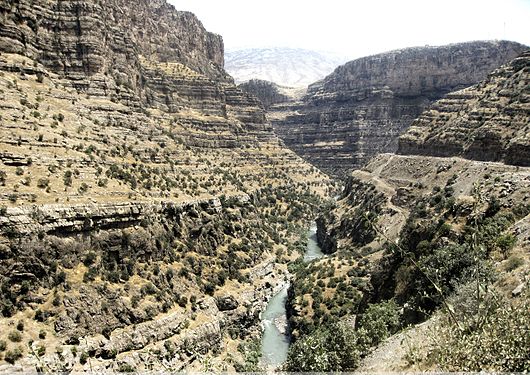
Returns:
point(392, 223)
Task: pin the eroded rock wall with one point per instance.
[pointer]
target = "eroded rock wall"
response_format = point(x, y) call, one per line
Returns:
point(360, 109)
point(488, 121)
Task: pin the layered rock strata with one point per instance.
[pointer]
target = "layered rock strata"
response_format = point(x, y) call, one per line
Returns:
point(361, 108)
point(267, 92)
point(487, 121)
point(139, 188)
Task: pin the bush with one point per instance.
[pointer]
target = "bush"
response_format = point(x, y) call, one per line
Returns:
point(83, 358)
point(11, 356)
point(90, 275)
point(90, 258)
point(83, 188)
point(3, 345)
point(14, 336)
point(67, 178)
point(126, 367)
point(379, 321)
point(43, 183)
point(41, 350)
point(332, 348)
point(491, 339)
point(506, 242)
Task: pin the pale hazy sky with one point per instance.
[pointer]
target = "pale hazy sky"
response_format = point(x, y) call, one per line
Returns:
point(358, 28)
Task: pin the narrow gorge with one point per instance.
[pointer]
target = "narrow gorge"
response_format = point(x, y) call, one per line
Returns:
point(156, 217)
point(438, 233)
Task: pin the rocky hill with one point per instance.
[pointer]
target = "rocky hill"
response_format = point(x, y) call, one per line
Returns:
point(293, 67)
point(140, 192)
point(414, 234)
point(363, 106)
point(487, 121)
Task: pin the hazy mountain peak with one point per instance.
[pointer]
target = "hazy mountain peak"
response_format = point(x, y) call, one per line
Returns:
point(285, 66)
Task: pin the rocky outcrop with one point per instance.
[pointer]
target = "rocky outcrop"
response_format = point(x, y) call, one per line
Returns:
point(361, 108)
point(81, 38)
point(49, 219)
point(487, 121)
point(267, 92)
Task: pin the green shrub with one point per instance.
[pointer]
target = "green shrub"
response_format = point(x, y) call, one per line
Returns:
point(494, 338)
point(43, 183)
point(11, 356)
point(333, 348)
point(378, 322)
point(83, 188)
point(41, 350)
point(83, 358)
point(67, 178)
point(90, 258)
point(14, 336)
point(506, 242)
point(3, 345)
point(126, 367)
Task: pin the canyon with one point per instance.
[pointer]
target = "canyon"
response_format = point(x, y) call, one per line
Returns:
point(150, 208)
point(360, 109)
point(447, 214)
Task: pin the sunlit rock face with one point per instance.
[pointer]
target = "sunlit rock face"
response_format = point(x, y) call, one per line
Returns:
point(487, 121)
point(139, 187)
point(361, 108)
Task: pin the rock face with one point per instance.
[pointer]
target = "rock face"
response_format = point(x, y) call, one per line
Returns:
point(363, 106)
point(292, 67)
point(411, 228)
point(108, 37)
point(487, 121)
point(267, 92)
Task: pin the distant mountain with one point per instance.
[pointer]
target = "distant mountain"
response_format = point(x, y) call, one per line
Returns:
point(293, 67)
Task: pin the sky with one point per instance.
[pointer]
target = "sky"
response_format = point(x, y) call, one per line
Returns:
point(354, 28)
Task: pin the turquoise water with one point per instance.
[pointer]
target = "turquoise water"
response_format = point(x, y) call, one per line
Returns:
point(275, 344)
point(313, 251)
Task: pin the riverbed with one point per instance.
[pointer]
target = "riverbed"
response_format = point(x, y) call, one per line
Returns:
point(275, 340)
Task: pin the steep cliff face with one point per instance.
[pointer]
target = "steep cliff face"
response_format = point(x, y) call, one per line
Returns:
point(267, 92)
point(139, 188)
point(108, 36)
point(488, 121)
point(360, 109)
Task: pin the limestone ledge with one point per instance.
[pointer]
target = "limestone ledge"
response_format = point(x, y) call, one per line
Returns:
point(50, 218)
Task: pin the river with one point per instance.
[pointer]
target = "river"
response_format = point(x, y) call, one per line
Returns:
point(275, 341)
